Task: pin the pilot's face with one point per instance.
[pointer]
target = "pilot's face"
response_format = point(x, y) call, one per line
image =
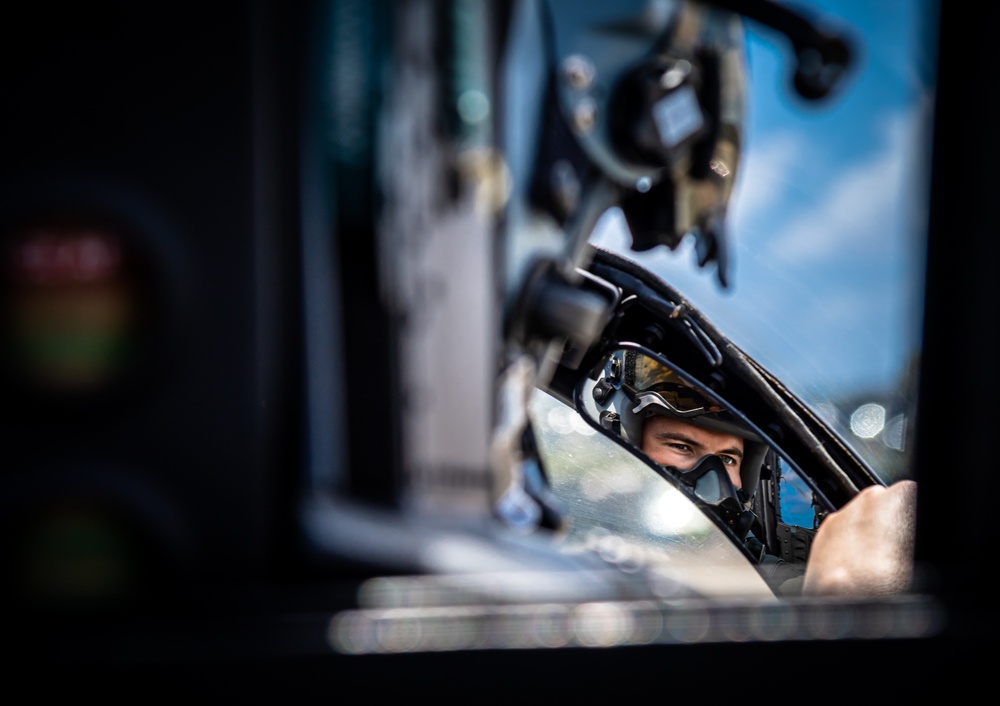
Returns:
point(673, 442)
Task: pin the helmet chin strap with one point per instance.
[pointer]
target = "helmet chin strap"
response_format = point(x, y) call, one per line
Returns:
point(711, 484)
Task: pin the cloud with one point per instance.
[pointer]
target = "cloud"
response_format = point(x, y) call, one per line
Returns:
point(821, 261)
point(769, 165)
point(843, 210)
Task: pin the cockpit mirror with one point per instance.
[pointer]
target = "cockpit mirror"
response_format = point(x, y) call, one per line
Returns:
point(690, 434)
point(674, 453)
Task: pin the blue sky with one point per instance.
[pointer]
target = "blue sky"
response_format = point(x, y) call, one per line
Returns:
point(827, 222)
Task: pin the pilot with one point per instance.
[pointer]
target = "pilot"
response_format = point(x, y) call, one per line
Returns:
point(708, 449)
point(721, 459)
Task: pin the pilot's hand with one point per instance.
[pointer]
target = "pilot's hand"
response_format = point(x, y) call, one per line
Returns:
point(866, 547)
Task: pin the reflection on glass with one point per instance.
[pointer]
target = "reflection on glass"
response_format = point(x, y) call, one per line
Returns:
point(616, 505)
point(688, 432)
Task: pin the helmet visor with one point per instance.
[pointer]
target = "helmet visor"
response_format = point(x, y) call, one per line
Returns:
point(675, 400)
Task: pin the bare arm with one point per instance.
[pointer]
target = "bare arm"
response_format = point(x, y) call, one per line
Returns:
point(866, 547)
